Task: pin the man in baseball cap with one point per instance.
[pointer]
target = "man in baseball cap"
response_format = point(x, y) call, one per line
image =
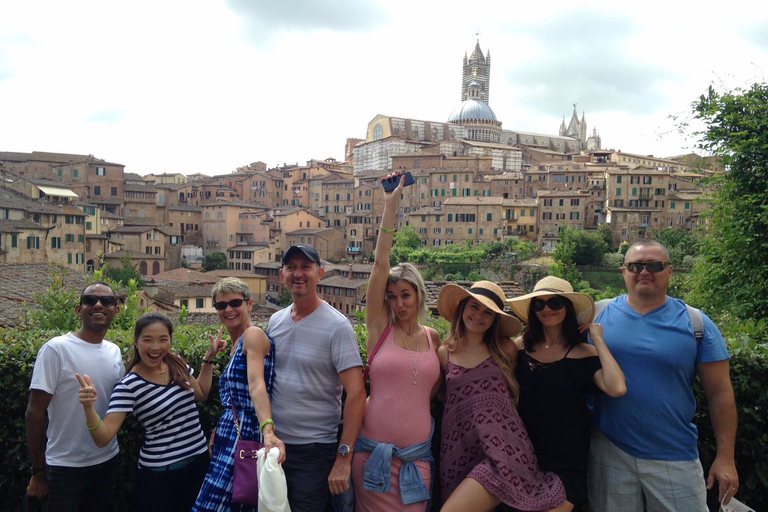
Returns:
point(308, 251)
point(316, 357)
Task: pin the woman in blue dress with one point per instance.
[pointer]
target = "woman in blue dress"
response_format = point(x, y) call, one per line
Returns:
point(247, 383)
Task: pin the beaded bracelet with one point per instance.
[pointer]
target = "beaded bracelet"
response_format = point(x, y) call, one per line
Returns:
point(387, 230)
point(95, 426)
point(208, 361)
point(265, 422)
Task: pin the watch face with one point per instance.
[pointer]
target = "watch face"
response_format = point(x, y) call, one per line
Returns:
point(344, 449)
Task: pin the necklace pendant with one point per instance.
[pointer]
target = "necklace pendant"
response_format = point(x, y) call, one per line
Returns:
point(415, 373)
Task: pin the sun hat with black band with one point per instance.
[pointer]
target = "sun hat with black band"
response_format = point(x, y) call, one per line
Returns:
point(487, 293)
point(551, 285)
point(307, 250)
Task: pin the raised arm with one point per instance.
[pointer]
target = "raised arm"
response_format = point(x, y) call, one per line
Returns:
point(609, 378)
point(256, 347)
point(102, 431)
point(202, 385)
point(376, 316)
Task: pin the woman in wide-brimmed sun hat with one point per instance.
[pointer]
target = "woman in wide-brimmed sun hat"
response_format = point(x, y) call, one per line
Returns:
point(555, 370)
point(486, 455)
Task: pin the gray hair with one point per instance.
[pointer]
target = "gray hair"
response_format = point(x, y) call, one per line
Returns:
point(231, 285)
point(410, 274)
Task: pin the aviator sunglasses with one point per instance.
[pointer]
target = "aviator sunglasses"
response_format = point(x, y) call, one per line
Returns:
point(91, 300)
point(222, 305)
point(555, 303)
point(636, 267)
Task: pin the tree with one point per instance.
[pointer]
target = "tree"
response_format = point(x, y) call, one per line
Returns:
point(605, 232)
point(405, 242)
point(580, 247)
point(679, 242)
point(123, 274)
point(215, 261)
point(731, 273)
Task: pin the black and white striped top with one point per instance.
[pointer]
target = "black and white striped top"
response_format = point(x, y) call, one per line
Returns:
point(169, 416)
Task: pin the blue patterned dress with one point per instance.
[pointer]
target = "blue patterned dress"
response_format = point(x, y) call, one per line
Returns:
point(216, 493)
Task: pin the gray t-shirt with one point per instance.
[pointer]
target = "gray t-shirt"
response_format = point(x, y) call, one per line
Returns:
point(309, 355)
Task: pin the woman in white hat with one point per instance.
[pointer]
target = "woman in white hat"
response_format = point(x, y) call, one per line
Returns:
point(555, 370)
point(396, 434)
point(486, 456)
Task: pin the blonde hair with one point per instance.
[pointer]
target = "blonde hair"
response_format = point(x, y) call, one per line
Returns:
point(231, 285)
point(506, 360)
point(410, 274)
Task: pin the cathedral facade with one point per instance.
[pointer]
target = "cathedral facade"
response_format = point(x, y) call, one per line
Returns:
point(472, 129)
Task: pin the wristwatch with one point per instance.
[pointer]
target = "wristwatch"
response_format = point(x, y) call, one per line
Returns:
point(344, 450)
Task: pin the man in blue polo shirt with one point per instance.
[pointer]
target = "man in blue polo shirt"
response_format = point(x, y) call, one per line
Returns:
point(644, 453)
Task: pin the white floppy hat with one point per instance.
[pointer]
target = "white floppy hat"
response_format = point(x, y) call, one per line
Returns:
point(551, 285)
point(486, 292)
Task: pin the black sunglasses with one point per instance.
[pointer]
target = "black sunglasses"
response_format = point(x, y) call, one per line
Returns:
point(106, 300)
point(555, 303)
point(653, 266)
point(222, 305)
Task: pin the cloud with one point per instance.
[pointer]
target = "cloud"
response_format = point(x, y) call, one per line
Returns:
point(756, 33)
point(585, 57)
point(112, 117)
point(266, 17)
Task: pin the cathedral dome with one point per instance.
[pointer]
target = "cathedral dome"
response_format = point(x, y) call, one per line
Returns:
point(470, 109)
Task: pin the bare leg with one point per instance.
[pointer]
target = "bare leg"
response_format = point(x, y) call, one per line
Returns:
point(470, 495)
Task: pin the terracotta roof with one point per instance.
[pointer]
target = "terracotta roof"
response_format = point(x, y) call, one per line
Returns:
point(218, 274)
point(185, 275)
point(19, 283)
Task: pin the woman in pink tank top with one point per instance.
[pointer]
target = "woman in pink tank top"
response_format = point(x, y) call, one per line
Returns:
point(404, 376)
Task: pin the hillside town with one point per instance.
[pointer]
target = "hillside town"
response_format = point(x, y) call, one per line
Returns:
point(474, 180)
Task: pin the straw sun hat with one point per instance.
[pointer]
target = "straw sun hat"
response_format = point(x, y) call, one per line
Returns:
point(551, 285)
point(487, 293)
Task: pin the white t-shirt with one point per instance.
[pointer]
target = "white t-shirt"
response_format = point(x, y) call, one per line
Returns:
point(69, 442)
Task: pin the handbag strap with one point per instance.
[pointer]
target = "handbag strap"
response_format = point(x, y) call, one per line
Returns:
point(234, 414)
point(373, 354)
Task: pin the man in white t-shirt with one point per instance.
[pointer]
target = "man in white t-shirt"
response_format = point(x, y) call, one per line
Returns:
point(316, 357)
point(67, 467)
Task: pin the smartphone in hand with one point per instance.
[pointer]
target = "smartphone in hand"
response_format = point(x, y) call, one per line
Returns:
point(391, 183)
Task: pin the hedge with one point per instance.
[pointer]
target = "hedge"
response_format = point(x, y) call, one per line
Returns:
point(18, 348)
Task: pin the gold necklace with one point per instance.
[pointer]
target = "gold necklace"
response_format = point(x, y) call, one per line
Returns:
point(413, 359)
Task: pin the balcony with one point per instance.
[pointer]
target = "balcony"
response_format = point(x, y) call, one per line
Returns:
point(354, 250)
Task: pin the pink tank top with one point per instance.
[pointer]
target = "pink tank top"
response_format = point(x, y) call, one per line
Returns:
point(398, 410)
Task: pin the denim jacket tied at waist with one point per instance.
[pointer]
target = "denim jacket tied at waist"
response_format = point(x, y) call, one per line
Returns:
point(376, 476)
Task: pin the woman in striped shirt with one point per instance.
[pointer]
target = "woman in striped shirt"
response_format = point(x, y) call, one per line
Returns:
point(160, 391)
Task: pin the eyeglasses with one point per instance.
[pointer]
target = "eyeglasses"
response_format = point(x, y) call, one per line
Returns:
point(91, 300)
point(636, 267)
point(222, 305)
point(555, 303)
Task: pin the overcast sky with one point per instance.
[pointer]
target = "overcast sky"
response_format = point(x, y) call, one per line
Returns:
point(209, 85)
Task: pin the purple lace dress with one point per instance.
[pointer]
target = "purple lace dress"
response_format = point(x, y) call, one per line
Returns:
point(483, 438)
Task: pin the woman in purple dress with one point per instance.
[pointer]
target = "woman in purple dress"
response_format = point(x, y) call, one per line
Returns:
point(486, 456)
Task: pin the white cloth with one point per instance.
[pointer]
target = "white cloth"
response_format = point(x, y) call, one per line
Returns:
point(273, 489)
point(69, 442)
